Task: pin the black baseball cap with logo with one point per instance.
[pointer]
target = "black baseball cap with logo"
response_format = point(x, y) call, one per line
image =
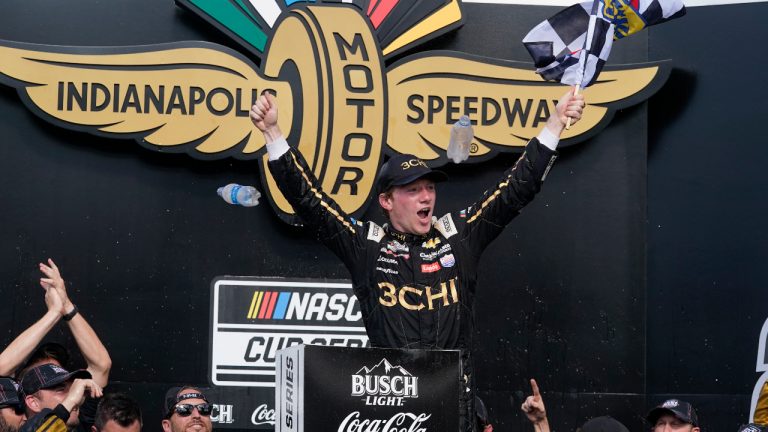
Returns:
point(9, 393)
point(174, 395)
point(681, 409)
point(48, 375)
point(402, 169)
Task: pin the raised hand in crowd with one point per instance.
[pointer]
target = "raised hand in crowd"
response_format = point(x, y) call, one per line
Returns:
point(53, 301)
point(24, 352)
point(17, 352)
point(94, 352)
point(78, 391)
point(52, 280)
point(534, 409)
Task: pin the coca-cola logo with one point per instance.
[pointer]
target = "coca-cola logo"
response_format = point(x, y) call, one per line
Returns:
point(263, 415)
point(400, 422)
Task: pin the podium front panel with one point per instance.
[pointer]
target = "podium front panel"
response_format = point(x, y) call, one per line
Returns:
point(327, 389)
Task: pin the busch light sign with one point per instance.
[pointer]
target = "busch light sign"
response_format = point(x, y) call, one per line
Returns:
point(366, 389)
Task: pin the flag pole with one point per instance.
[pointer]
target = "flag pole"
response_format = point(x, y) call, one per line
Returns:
point(585, 51)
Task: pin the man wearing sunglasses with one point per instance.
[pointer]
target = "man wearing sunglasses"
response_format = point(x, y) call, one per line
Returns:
point(11, 411)
point(55, 399)
point(187, 409)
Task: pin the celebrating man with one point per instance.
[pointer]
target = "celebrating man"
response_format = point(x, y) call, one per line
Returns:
point(415, 277)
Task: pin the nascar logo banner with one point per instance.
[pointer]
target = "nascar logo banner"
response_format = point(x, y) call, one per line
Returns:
point(252, 318)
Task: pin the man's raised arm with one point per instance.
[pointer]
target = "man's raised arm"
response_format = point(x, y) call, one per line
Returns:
point(570, 106)
point(15, 354)
point(534, 409)
point(264, 117)
point(94, 352)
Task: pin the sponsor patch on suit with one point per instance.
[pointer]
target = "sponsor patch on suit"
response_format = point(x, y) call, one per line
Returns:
point(446, 226)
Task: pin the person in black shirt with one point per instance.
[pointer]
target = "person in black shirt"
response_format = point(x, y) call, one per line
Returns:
point(415, 277)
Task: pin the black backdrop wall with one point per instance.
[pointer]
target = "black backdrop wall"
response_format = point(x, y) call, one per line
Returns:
point(639, 272)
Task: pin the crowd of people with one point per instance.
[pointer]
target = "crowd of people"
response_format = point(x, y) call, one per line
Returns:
point(39, 392)
point(672, 415)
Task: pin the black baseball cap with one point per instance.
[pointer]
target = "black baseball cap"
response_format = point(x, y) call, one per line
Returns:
point(678, 408)
point(48, 375)
point(174, 396)
point(403, 169)
point(603, 424)
point(9, 393)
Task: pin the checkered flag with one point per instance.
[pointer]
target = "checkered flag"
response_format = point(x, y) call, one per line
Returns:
point(573, 45)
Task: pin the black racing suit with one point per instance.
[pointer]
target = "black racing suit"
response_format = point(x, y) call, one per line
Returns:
point(417, 291)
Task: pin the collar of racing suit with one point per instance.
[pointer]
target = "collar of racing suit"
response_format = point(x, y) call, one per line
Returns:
point(406, 237)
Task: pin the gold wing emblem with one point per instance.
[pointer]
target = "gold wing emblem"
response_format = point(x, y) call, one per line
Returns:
point(187, 97)
point(506, 100)
point(761, 407)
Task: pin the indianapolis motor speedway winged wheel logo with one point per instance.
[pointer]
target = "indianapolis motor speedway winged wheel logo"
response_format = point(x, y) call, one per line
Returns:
point(341, 103)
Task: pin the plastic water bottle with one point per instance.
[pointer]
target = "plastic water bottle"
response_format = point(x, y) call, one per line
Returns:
point(233, 193)
point(461, 138)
